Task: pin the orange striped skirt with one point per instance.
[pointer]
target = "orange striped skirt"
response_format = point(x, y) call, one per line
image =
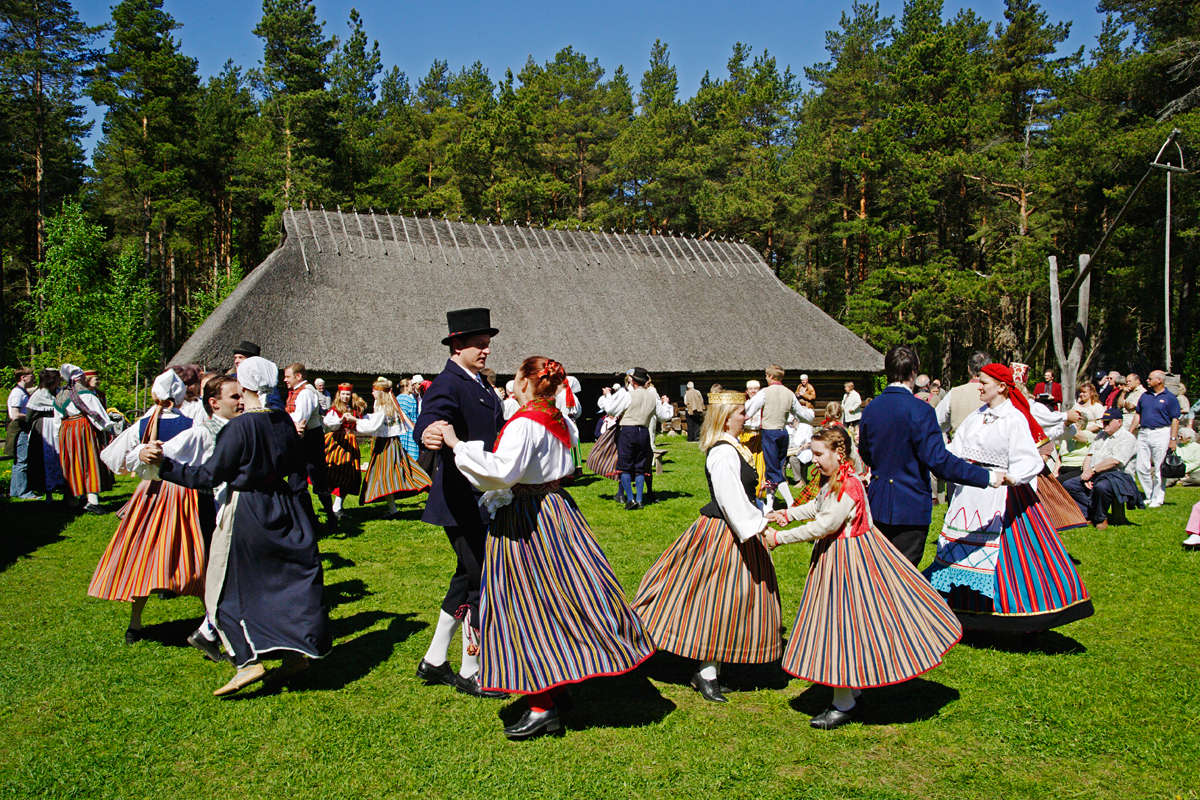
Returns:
point(79, 453)
point(341, 459)
point(712, 597)
point(158, 545)
point(1063, 512)
point(391, 471)
point(868, 617)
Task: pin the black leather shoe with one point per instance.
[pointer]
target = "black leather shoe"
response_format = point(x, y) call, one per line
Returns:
point(439, 674)
point(471, 686)
point(133, 635)
point(92, 508)
point(534, 723)
point(709, 690)
point(832, 718)
point(211, 650)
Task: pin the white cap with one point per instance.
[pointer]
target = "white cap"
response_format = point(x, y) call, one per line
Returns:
point(616, 387)
point(803, 376)
point(510, 387)
point(257, 374)
point(418, 378)
point(70, 372)
point(168, 386)
point(753, 384)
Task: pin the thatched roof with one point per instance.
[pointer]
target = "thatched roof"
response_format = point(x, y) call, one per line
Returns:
point(368, 293)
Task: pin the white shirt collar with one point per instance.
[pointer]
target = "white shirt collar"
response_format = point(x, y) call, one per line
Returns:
point(899, 385)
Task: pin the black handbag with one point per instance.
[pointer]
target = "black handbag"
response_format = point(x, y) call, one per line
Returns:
point(1173, 466)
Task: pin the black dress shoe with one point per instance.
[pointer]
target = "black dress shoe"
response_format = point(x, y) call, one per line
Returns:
point(92, 508)
point(832, 718)
point(443, 673)
point(534, 723)
point(709, 690)
point(471, 686)
point(133, 635)
point(211, 650)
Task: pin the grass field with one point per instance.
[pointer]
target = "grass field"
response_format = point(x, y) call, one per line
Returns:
point(1105, 707)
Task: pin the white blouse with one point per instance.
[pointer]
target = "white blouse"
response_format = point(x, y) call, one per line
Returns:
point(827, 513)
point(528, 453)
point(92, 402)
point(724, 465)
point(376, 424)
point(195, 410)
point(999, 437)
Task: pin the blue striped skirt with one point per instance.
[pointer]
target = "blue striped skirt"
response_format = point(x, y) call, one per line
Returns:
point(552, 611)
point(1032, 585)
point(868, 617)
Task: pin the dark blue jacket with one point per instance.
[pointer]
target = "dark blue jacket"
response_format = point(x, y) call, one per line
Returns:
point(475, 413)
point(900, 440)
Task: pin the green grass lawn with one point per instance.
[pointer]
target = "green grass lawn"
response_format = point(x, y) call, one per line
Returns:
point(1105, 707)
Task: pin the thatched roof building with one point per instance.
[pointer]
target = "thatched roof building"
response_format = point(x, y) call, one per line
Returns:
point(366, 294)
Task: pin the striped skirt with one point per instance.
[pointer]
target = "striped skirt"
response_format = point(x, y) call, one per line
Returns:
point(79, 454)
point(602, 460)
point(158, 545)
point(1063, 512)
point(712, 597)
point(391, 471)
point(868, 617)
point(552, 612)
point(341, 460)
point(1030, 583)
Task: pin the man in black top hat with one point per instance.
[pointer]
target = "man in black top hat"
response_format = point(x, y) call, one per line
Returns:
point(460, 397)
point(243, 351)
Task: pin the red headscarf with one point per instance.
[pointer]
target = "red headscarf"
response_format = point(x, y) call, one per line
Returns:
point(1004, 375)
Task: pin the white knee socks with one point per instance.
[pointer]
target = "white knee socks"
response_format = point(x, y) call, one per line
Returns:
point(785, 492)
point(843, 698)
point(442, 634)
point(470, 661)
point(93, 499)
point(207, 630)
point(337, 504)
point(708, 670)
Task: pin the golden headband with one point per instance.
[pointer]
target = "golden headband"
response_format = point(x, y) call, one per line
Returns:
point(727, 398)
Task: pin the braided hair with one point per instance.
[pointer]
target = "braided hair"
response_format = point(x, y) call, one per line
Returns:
point(544, 374)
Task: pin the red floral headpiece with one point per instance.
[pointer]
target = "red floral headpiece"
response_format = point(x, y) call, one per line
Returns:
point(1004, 375)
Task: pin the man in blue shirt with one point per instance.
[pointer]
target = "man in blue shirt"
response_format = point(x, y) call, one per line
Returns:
point(1156, 424)
point(900, 439)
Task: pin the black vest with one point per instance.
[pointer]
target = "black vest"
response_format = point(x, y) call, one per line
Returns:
point(749, 478)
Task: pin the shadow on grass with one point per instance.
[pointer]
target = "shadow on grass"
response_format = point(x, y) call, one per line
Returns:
point(172, 633)
point(911, 701)
point(1050, 643)
point(670, 668)
point(349, 591)
point(353, 521)
point(623, 701)
point(335, 561)
point(348, 661)
point(32, 524)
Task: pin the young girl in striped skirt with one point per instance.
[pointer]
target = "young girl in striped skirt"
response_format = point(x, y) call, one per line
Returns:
point(84, 419)
point(158, 544)
point(391, 471)
point(552, 611)
point(712, 596)
point(341, 446)
point(868, 617)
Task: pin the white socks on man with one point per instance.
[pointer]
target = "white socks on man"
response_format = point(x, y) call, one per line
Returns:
point(442, 635)
point(337, 504)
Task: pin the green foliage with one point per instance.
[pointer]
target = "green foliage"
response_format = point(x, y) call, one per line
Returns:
point(209, 296)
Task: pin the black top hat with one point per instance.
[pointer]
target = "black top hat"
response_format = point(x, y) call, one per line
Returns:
point(246, 349)
point(640, 376)
point(468, 321)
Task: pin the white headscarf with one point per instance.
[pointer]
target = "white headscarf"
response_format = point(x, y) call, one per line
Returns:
point(418, 378)
point(168, 386)
point(257, 374)
point(70, 372)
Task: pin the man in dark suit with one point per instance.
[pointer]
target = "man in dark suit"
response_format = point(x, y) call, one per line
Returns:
point(899, 438)
point(460, 398)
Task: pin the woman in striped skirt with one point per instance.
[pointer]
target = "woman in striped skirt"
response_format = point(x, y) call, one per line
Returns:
point(84, 418)
point(158, 544)
point(868, 617)
point(341, 446)
point(391, 471)
point(1000, 562)
point(552, 611)
point(712, 596)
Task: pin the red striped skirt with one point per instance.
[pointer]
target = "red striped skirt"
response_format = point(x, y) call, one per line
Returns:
point(79, 453)
point(551, 609)
point(602, 459)
point(868, 617)
point(158, 545)
point(712, 597)
point(1063, 511)
point(391, 471)
point(341, 459)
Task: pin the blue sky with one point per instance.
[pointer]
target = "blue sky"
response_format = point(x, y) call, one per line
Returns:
point(502, 35)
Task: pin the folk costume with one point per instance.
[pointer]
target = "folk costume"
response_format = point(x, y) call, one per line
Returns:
point(1000, 563)
point(465, 401)
point(303, 406)
point(553, 611)
point(567, 402)
point(44, 475)
point(268, 599)
point(391, 471)
point(408, 404)
point(868, 618)
point(775, 405)
point(341, 448)
point(602, 459)
point(636, 408)
point(158, 544)
point(83, 419)
point(712, 595)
